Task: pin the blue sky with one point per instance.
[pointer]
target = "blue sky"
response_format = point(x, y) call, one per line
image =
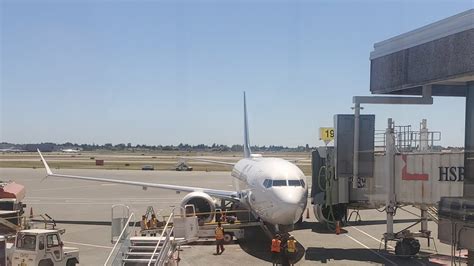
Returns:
point(165, 72)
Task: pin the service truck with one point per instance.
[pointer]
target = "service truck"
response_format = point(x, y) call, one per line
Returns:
point(41, 247)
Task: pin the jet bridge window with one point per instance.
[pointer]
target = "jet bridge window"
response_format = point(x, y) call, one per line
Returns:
point(267, 183)
point(279, 183)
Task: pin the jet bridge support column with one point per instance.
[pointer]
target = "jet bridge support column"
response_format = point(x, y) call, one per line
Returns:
point(390, 175)
point(469, 143)
point(469, 154)
point(424, 218)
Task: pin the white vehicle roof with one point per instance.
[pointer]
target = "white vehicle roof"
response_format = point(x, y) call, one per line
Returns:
point(39, 231)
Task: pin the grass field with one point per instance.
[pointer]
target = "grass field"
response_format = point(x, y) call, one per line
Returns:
point(136, 160)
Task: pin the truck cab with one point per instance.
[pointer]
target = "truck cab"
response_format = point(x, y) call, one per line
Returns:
point(42, 247)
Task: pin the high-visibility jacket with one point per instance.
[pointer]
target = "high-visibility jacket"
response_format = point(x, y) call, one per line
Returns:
point(276, 243)
point(153, 223)
point(219, 233)
point(144, 224)
point(291, 245)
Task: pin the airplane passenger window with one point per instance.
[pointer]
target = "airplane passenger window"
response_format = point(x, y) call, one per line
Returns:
point(279, 183)
point(294, 183)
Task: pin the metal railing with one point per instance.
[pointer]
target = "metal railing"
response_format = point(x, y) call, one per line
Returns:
point(164, 253)
point(116, 248)
point(159, 241)
point(406, 139)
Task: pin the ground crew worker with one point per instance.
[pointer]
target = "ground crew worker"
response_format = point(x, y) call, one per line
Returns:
point(291, 249)
point(153, 224)
point(224, 216)
point(143, 225)
point(276, 248)
point(219, 232)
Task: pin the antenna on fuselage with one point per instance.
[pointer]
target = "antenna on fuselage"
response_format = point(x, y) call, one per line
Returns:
point(247, 151)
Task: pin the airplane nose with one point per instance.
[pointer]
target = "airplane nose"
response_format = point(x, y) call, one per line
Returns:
point(291, 206)
point(290, 196)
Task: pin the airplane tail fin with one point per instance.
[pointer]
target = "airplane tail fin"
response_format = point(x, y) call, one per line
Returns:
point(247, 151)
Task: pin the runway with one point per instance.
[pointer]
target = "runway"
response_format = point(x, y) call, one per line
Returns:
point(74, 200)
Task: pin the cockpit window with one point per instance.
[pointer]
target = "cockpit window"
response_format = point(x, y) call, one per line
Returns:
point(302, 183)
point(279, 183)
point(294, 183)
point(267, 183)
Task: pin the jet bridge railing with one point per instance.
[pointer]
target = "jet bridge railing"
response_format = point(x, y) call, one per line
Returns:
point(120, 244)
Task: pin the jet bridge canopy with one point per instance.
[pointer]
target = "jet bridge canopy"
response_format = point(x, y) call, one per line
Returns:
point(439, 55)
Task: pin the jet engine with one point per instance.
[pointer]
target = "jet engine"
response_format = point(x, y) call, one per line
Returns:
point(203, 203)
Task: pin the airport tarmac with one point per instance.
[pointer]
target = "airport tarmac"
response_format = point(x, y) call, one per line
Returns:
point(74, 200)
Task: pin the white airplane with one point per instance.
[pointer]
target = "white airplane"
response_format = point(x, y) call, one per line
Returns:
point(70, 150)
point(12, 149)
point(273, 189)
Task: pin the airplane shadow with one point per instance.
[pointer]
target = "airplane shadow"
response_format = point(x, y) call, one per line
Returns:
point(325, 255)
point(257, 244)
point(321, 228)
point(316, 227)
point(377, 222)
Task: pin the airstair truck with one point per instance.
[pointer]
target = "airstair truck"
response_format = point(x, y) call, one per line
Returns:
point(42, 247)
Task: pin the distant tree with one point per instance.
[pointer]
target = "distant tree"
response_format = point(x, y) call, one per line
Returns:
point(237, 147)
point(120, 146)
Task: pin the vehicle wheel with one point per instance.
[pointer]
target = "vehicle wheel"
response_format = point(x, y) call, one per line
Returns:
point(228, 237)
point(47, 262)
point(71, 262)
point(407, 247)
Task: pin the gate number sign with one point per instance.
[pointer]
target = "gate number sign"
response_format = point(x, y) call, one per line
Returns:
point(326, 134)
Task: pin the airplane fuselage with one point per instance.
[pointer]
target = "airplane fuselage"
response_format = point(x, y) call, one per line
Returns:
point(273, 188)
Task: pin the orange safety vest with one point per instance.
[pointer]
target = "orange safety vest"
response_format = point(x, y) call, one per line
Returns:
point(144, 224)
point(291, 246)
point(276, 243)
point(153, 222)
point(219, 233)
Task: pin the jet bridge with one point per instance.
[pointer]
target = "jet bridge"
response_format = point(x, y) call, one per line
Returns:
point(412, 68)
point(422, 174)
point(399, 167)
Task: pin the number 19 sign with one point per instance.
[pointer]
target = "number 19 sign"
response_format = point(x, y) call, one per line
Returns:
point(326, 134)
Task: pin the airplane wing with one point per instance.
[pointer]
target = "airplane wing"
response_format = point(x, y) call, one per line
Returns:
point(206, 161)
point(223, 194)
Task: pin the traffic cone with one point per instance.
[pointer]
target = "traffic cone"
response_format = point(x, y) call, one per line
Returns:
point(307, 213)
point(31, 212)
point(338, 227)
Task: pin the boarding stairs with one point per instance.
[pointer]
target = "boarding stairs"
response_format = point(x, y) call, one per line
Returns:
point(149, 250)
point(155, 246)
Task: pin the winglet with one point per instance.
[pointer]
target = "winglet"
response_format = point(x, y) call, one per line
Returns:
point(247, 151)
point(46, 166)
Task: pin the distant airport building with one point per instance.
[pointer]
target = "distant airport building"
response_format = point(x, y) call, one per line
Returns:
point(44, 147)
